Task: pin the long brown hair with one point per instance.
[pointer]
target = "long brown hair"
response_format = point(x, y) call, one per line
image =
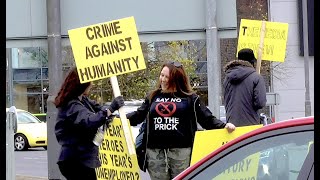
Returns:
point(71, 88)
point(178, 80)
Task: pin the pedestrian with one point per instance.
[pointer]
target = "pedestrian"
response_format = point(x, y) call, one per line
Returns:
point(172, 111)
point(244, 90)
point(78, 121)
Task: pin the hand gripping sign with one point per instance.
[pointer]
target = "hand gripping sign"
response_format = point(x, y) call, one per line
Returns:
point(106, 50)
point(209, 140)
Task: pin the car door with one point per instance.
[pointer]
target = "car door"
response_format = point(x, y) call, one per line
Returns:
point(279, 154)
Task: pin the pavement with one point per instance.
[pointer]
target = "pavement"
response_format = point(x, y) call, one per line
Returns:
point(135, 132)
point(22, 177)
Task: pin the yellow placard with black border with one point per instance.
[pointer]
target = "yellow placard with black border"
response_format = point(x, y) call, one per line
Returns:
point(106, 49)
point(116, 162)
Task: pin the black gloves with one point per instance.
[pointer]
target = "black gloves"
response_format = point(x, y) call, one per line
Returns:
point(116, 104)
point(109, 121)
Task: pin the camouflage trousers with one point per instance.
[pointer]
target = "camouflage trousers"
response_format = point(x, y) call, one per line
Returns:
point(165, 164)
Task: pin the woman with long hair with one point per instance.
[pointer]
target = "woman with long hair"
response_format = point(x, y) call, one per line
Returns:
point(172, 111)
point(78, 121)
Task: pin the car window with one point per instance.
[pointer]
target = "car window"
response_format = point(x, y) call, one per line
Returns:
point(307, 167)
point(24, 117)
point(278, 157)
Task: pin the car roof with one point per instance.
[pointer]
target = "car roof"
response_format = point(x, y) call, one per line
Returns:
point(21, 110)
point(271, 127)
point(7, 109)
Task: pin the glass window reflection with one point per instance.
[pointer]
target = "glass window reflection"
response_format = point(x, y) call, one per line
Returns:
point(26, 118)
point(26, 74)
point(29, 102)
point(25, 57)
point(277, 157)
point(26, 87)
point(30, 71)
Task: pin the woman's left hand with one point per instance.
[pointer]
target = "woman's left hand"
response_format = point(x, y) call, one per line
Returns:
point(230, 127)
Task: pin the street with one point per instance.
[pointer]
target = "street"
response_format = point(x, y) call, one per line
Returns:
point(34, 162)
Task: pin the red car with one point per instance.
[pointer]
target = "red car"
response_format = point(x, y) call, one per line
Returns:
point(279, 151)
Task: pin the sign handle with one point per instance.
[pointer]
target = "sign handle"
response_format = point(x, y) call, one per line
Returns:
point(123, 118)
point(260, 50)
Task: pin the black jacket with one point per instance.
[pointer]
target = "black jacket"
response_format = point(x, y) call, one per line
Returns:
point(197, 112)
point(244, 93)
point(75, 128)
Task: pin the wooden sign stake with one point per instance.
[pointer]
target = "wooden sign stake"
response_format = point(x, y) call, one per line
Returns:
point(260, 50)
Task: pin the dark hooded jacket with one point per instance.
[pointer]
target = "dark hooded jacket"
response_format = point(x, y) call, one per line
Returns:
point(244, 93)
point(76, 126)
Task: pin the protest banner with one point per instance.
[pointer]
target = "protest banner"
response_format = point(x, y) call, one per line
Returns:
point(116, 162)
point(246, 168)
point(209, 140)
point(106, 50)
point(268, 40)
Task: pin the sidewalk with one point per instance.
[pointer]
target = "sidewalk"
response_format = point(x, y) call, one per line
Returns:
point(21, 177)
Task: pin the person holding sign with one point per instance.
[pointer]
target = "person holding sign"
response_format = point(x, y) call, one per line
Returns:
point(78, 121)
point(172, 111)
point(244, 90)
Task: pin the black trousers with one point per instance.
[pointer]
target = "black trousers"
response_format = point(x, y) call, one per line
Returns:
point(72, 170)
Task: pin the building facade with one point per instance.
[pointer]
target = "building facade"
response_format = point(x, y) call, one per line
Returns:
point(28, 66)
point(27, 55)
point(289, 76)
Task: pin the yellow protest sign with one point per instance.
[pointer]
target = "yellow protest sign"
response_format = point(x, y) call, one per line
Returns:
point(106, 49)
point(209, 140)
point(116, 162)
point(275, 39)
point(247, 168)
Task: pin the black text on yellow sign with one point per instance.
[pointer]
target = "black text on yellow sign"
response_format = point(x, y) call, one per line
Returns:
point(275, 38)
point(108, 69)
point(246, 168)
point(106, 49)
point(116, 162)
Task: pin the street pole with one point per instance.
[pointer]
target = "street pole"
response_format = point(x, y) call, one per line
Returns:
point(55, 79)
point(306, 57)
point(213, 58)
point(9, 75)
point(11, 129)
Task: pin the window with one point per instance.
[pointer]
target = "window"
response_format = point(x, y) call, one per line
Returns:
point(27, 78)
point(25, 118)
point(277, 157)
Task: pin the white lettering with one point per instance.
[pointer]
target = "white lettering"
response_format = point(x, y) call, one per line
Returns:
point(165, 127)
point(157, 120)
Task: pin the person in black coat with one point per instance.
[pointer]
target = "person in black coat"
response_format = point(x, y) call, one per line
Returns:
point(78, 121)
point(171, 112)
point(244, 90)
